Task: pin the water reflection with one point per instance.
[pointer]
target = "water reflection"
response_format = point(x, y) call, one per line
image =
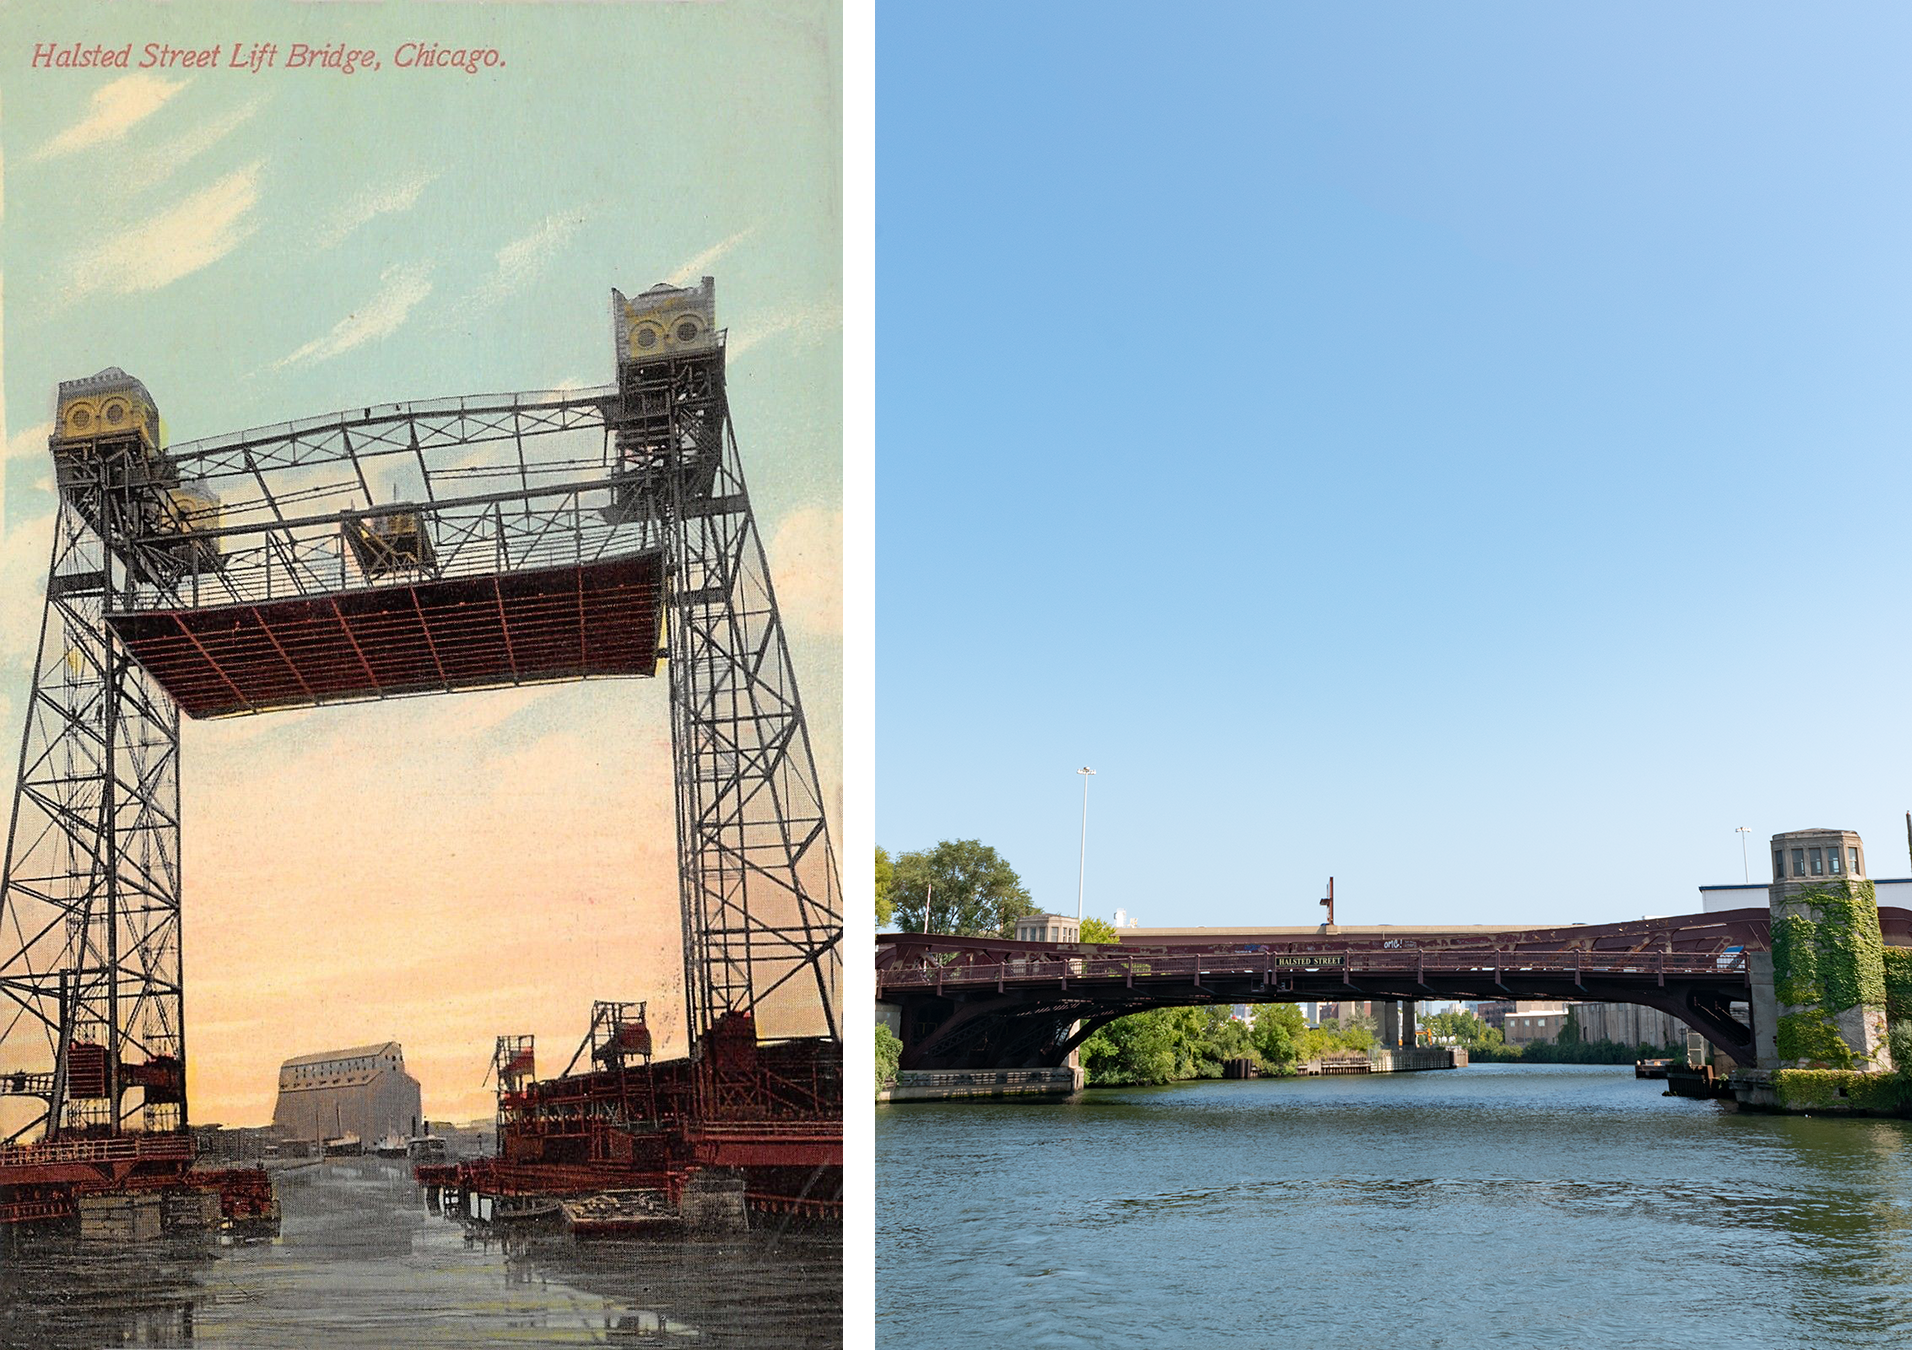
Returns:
point(361, 1263)
point(1563, 1206)
point(739, 1291)
point(62, 1295)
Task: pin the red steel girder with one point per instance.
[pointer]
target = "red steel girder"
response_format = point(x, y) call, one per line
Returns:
point(597, 619)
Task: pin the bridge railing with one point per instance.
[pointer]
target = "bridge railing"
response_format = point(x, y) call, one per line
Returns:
point(563, 525)
point(1127, 967)
point(138, 1147)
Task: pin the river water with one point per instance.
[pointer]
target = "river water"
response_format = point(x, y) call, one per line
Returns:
point(361, 1264)
point(1516, 1205)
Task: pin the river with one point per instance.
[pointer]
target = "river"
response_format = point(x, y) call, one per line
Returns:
point(361, 1264)
point(1516, 1205)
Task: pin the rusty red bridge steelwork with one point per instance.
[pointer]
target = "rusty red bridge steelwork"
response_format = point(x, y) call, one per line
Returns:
point(991, 1003)
point(400, 550)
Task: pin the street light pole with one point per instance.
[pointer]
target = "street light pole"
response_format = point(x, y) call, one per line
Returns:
point(1082, 857)
point(1745, 868)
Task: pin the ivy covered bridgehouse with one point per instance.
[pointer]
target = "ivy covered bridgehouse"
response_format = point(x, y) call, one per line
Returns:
point(1831, 1003)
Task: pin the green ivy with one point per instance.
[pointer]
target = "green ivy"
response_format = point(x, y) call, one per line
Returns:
point(888, 1051)
point(1802, 1089)
point(1837, 962)
point(1795, 963)
point(1811, 1036)
point(1898, 983)
point(1898, 1038)
point(1851, 951)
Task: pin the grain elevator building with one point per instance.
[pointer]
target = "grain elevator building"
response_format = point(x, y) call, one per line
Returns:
point(363, 1091)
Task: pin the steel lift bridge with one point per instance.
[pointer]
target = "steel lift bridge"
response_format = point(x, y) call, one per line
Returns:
point(396, 550)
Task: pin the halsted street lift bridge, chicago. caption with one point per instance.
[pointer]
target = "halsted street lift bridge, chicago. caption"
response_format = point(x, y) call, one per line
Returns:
point(532, 537)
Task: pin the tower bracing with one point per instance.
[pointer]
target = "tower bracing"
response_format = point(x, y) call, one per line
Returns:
point(761, 911)
point(386, 551)
point(90, 951)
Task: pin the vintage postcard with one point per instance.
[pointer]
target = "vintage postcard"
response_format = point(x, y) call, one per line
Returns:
point(421, 624)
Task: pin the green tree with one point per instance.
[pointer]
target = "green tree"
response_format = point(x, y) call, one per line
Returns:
point(1098, 930)
point(971, 890)
point(884, 872)
point(1279, 1029)
point(1167, 1044)
point(1139, 1048)
point(1461, 1028)
point(1219, 1037)
point(1569, 1028)
point(889, 1050)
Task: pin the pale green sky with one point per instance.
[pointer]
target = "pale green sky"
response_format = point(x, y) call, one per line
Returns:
point(271, 245)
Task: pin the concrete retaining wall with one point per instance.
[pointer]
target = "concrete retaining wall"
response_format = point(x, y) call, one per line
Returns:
point(1414, 1059)
point(936, 1085)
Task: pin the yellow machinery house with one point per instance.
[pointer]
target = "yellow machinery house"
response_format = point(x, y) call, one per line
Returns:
point(107, 437)
point(392, 542)
point(666, 320)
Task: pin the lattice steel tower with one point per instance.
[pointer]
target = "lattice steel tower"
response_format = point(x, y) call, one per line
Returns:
point(525, 538)
point(91, 900)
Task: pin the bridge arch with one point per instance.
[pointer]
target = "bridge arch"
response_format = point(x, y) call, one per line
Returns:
point(987, 1003)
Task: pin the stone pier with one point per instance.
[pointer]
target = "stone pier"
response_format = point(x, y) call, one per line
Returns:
point(1394, 1023)
point(1819, 998)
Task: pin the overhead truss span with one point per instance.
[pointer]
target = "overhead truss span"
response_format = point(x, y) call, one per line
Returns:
point(385, 551)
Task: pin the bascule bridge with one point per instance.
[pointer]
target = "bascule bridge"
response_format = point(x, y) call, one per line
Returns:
point(520, 538)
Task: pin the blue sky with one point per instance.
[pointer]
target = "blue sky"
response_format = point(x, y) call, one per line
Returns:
point(1459, 449)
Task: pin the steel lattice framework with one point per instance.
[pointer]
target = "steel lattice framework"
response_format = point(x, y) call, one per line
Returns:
point(390, 551)
point(91, 919)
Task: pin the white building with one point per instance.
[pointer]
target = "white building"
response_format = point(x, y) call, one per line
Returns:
point(1048, 928)
point(1893, 891)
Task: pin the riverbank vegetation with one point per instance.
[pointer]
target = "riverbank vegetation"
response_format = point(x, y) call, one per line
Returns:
point(1486, 1044)
point(1168, 1045)
point(1164, 1045)
point(889, 1052)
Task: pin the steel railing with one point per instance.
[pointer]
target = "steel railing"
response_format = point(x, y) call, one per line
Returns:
point(1352, 963)
point(139, 1148)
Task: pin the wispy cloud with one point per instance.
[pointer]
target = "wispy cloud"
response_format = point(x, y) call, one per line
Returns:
point(202, 229)
point(803, 323)
point(23, 559)
point(116, 109)
point(3, 422)
point(369, 206)
point(695, 268)
point(520, 261)
point(163, 161)
point(402, 286)
point(29, 443)
point(806, 565)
